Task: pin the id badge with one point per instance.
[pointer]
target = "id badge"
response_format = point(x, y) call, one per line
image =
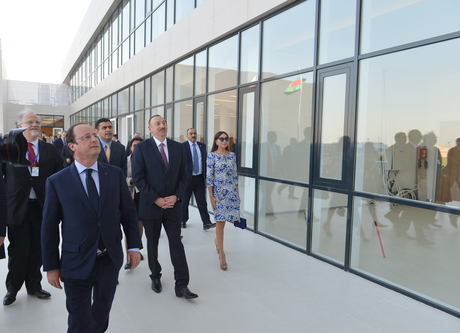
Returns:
point(34, 171)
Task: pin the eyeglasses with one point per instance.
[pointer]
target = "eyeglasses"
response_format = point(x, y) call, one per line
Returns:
point(30, 122)
point(87, 137)
point(224, 139)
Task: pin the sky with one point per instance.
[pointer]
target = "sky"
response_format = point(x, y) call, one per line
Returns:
point(36, 36)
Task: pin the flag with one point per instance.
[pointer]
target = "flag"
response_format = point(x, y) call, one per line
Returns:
point(293, 87)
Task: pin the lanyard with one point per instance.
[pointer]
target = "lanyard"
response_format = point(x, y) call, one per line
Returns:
point(36, 156)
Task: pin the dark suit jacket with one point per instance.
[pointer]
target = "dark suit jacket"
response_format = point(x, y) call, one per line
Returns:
point(3, 212)
point(154, 181)
point(117, 156)
point(65, 154)
point(67, 200)
point(19, 181)
point(189, 157)
point(58, 143)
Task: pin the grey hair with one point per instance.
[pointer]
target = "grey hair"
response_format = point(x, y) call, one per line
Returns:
point(186, 132)
point(20, 115)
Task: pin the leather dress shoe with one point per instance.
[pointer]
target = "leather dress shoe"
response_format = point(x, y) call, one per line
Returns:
point(185, 292)
point(156, 285)
point(209, 226)
point(9, 298)
point(41, 294)
point(183, 225)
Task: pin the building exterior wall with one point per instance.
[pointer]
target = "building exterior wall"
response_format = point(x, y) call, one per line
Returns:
point(344, 127)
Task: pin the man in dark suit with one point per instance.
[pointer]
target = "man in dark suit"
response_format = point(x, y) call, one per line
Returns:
point(25, 190)
point(160, 173)
point(92, 200)
point(3, 212)
point(195, 153)
point(61, 142)
point(112, 152)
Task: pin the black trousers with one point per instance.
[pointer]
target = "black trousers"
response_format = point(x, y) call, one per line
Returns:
point(198, 188)
point(91, 316)
point(176, 248)
point(25, 251)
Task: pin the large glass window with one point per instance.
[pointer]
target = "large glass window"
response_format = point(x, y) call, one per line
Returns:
point(158, 22)
point(222, 115)
point(183, 119)
point(223, 60)
point(125, 22)
point(412, 248)
point(139, 38)
point(139, 96)
point(140, 11)
point(249, 55)
point(170, 13)
point(183, 7)
point(337, 30)
point(183, 79)
point(408, 136)
point(200, 73)
point(288, 40)
point(333, 108)
point(158, 88)
point(123, 101)
point(169, 84)
point(329, 224)
point(247, 190)
point(386, 24)
point(283, 216)
point(285, 130)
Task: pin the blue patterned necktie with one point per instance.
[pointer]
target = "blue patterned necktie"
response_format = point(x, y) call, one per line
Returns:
point(196, 167)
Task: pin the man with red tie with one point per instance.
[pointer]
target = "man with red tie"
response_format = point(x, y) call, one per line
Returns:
point(25, 191)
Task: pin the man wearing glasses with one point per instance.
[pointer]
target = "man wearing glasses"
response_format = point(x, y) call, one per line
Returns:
point(93, 201)
point(25, 190)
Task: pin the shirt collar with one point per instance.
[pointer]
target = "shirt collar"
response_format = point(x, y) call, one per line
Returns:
point(191, 143)
point(35, 142)
point(80, 167)
point(157, 142)
point(103, 143)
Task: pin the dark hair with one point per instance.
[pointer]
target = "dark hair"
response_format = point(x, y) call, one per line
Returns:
point(137, 138)
point(214, 145)
point(115, 135)
point(156, 115)
point(102, 120)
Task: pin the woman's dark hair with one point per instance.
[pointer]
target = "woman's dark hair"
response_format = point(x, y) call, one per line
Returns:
point(137, 138)
point(216, 137)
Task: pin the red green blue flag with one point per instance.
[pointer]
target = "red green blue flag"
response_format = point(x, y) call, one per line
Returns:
point(293, 87)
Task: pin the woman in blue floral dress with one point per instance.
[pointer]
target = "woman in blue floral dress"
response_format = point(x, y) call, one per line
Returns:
point(222, 182)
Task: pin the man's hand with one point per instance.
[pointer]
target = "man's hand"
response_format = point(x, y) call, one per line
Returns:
point(134, 257)
point(54, 278)
point(167, 202)
point(2, 239)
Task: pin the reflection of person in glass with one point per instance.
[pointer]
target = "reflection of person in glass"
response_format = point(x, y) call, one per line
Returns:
point(338, 201)
point(302, 151)
point(451, 179)
point(288, 167)
point(222, 182)
point(272, 151)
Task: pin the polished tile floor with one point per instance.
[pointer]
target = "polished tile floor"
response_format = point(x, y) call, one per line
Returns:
point(267, 288)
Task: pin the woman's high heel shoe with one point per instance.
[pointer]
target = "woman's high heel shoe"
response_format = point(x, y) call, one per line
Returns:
point(224, 265)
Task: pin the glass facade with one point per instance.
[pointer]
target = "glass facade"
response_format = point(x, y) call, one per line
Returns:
point(343, 118)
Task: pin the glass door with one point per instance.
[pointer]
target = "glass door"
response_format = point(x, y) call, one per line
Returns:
point(331, 185)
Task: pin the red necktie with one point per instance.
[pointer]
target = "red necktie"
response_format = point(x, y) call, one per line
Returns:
point(162, 152)
point(31, 155)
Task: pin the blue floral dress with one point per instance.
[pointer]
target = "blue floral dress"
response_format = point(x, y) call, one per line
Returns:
point(222, 176)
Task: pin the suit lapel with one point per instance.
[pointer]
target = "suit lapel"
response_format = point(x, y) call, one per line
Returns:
point(103, 185)
point(102, 155)
point(172, 155)
point(42, 153)
point(78, 186)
